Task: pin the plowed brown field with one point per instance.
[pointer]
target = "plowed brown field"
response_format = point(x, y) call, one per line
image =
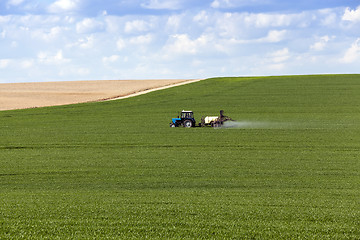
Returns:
point(41, 94)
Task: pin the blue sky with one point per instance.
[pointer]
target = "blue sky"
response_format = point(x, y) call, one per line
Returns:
point(64, 40)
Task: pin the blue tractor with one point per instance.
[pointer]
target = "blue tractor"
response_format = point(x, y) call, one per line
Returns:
point(186, 120)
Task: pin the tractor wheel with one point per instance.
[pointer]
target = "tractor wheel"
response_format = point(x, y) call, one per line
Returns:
point(172, 125)
point(188, 123)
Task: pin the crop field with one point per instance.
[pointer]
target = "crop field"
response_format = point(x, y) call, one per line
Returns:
point(288, 168)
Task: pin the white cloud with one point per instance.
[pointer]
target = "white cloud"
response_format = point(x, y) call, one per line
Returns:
point(27, 63)
point(38, 21)
point(136, 26)
point(271, 63)
point(14, 44)
point(215, 4)
point(120, 44)
point(71, 71)
point(69, 19)
point(83, 71)
point(163, 4)
point(353, 53)
point(222, 4)
point(279, 56)
point(4, 63)
point(114, 24)
point(87, 42)
point(229, 24)
point(174, 22)
point(276, 67)
point(351, 15)
point(142, 39)
point(321, 44)
point(274, 36)
point(47, 58)
point(5, 19)
point(83, 43)
point(3, 34)
point(47, 35)
point(63, 6)
point(89, 25)
point(14, 2)
point(111, 59)
point(251, 26)
point(328, 17)
point(265, 20)
point(235, 3)
point(182, 44)
point(202, 17)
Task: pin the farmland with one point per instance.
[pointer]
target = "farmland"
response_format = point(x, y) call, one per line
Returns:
point(116, 170)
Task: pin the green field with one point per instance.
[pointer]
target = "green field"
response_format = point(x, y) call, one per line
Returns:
point(116, 170)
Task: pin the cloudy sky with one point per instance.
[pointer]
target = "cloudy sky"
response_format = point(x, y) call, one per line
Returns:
point(60, 40)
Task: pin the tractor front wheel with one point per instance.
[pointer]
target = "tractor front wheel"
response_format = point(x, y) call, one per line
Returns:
point(188, 123)
point(172, 125)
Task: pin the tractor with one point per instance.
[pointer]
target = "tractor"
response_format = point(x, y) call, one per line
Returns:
point(186, 120)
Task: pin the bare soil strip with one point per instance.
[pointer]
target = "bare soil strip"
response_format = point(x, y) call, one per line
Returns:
point(153, 89)
point(43, 94)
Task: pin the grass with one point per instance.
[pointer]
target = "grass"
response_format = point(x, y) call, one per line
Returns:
point(116, 170)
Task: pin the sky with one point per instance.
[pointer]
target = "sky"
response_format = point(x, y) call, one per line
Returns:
point(68, 40)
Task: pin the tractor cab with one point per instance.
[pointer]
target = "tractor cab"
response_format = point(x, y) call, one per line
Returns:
point(187, 115)
point(186, 119)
